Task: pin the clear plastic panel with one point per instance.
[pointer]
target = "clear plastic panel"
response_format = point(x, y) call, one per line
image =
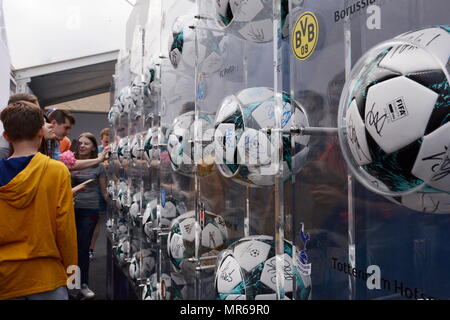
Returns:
point(356, 233)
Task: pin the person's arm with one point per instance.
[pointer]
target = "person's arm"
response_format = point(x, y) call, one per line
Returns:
point(89, 163)
point(66, 232)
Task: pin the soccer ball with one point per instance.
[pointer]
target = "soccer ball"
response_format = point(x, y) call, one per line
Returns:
point(135, 207)
point(109, 225)
point(140, 88)
point(246, 153)
point(181, 239)
point(150, 144)
point(143, 264)
point(247, 271)
point(394, 118)
point(122, 228)
point(173, 287)
point(171, 208)
point(122, 251)
point(113, 115)
point(124, 101)
point(111, 189)
point(251, 20)
point(150, 76)
point(136, 149)
point(427, 200)
point(149, 220)
point(180, 144)
point(123, 150)
point(123, 197)
point(185, 52)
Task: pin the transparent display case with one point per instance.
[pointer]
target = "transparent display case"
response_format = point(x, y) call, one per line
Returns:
point(287, 149)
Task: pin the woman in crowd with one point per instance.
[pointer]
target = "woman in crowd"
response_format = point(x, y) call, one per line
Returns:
point(87, 204)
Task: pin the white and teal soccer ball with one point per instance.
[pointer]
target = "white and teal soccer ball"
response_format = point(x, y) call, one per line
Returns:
point(113, 115)
point(136, 148)
point(124, 101)
point(111, 189)
point(121, 231)
point(114, 151)
point(123, 200)
point(150, 145)
point(246, 270)
point(181, 239)
point(251, 20)
point(171, 208)
point(143, 264)
point(395, 119)
point(123, 150)
point(185, 52)
point(243, 151)
point(428, 200)
point(133, 268)
point(149, 220)
point(173, 287)
point(135, 208)
point(122, 251)
point(180, 144)
point(109, 225)
point(140, 89)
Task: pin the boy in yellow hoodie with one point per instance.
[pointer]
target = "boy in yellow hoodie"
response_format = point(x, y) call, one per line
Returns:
point(37, 225)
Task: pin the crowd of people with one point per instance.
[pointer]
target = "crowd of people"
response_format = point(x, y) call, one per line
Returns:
point(52, 202)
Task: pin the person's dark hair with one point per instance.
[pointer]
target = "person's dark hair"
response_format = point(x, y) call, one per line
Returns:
point(74, 145)
point(22, 120)
point(24, 97)
point(60, 116)
point(90, 136)
point(47, 146)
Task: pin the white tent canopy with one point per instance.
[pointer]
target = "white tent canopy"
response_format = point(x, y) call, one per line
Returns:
point(42, 32)
point(65, 50)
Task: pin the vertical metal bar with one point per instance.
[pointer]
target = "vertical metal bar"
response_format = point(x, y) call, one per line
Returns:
point(198, 207)
point(247, 213)
point(351, 213)
point(279, 183)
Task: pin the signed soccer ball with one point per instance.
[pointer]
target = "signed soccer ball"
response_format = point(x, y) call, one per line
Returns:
point(122, 251)
point(181, 239)
point(122, 228)
point(171, 208)
point(251, 20)
point(143, 264)
point(180, 144)
point(395, 118)
point(149, 220)
point(150, 145)
point(247, 271)
point(123, 150)
point(113, 115)
point(124, 101)
point(173, 287)
point(123, 200)
point(109, 225)
point(135, 208)
point(185, 52)
point(111, 189)
point(428, 201)
point(247, 154)
point(136, 149)
point(140, 89)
